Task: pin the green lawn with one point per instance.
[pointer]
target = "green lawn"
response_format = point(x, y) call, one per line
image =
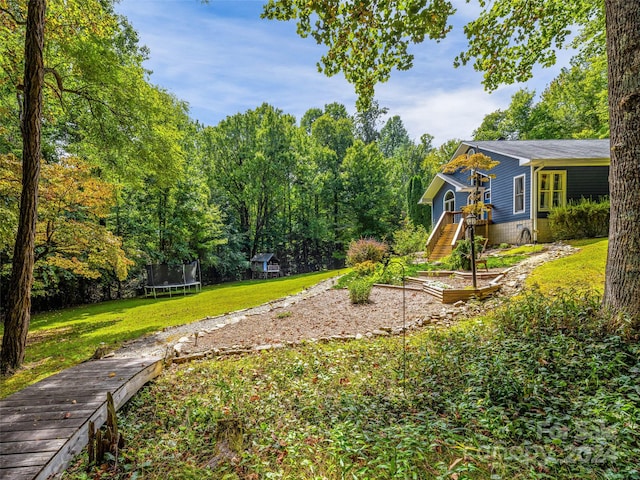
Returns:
point(580, 271)
point(60, 339)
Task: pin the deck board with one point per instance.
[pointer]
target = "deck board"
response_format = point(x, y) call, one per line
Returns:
point(45, 425)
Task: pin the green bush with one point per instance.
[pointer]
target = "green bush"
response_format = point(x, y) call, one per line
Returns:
point(576, 314)
point(410, 239)
point(365, 269)
point(365, 249)
point(360, 290)
point(584, 219)
point(460, 258)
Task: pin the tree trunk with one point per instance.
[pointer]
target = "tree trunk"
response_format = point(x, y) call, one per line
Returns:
point(622, 283)
point(18, 314)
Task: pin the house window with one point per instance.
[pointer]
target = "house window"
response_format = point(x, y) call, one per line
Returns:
point(518, 194)
point(449, 201)
point(552, 189)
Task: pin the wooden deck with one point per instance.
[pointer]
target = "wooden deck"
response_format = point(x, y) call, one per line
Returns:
point(45, 425)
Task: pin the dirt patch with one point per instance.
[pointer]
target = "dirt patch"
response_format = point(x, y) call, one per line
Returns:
point(324, 315)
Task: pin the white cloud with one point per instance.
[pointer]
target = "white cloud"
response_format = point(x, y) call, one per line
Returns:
point(222, 59)
point(446, 115)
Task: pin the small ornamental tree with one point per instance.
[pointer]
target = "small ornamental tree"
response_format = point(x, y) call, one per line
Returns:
point(473, 163)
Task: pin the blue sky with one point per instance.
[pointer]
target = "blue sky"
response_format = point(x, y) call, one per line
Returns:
point(223, 59)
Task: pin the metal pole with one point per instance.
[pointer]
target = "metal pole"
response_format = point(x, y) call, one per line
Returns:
point(473, 257)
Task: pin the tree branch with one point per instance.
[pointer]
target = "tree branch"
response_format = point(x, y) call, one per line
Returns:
point(13, 17)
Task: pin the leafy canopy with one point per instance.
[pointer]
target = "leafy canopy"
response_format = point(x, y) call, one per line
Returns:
point(365, 40)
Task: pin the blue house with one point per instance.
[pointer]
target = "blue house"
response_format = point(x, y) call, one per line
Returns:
point(533, 177)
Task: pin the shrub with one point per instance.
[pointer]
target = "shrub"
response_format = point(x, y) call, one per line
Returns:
point(461, 255)
point(410, 239)
point(359, 291)
point(365, 269)
point(365, 249)
point(573, 313)
point(584, 219)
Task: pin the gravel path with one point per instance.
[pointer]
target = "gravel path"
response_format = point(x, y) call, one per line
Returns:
point(322, 312)
point(157, 343)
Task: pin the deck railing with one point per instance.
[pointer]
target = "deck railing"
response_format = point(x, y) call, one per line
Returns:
point(447, 218)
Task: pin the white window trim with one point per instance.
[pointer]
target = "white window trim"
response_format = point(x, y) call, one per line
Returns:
point(444, 201)
point(563, 176)
point(524, 194)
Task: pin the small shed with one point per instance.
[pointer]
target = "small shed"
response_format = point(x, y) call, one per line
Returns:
point(265, 265)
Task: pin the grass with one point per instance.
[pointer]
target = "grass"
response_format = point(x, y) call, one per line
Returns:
point(580, 271)
point(545, 387)
point(60, 339)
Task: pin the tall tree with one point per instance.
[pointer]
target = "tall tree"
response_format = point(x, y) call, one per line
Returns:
point(393, 136)
point(514, 123)
point(334, 132)
point(366, 122)
point(575, 104)
point(18, 315)
point(252, 159)
point(506, 40)
point(367, 192)
point(418, 213)
point(622, 284)
point(72, 239)
point(94, 72)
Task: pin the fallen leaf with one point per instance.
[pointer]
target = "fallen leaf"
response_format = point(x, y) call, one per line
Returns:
point(455, 462)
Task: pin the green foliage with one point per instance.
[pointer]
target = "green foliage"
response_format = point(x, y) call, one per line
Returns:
point(583, 219)
point(409, 239)
point(364, 269)
point(572, 313)
point(485, 400)
point(574, 105)
point(371, 53)
point(365, 249)
point(360, 290)
point(367, 195)
point(393, 137)
point(508, 38)
point(460, 258)
point(419, 214)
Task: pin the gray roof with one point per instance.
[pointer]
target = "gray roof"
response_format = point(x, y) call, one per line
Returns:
point(263, 257)
point(531, 152)
point(437, 183)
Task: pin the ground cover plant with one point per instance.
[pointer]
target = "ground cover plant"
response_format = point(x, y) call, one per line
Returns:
point(544, 387)
point(62, 338)
point(490, 399)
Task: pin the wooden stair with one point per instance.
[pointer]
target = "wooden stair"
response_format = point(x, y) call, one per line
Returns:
point(443, 246)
